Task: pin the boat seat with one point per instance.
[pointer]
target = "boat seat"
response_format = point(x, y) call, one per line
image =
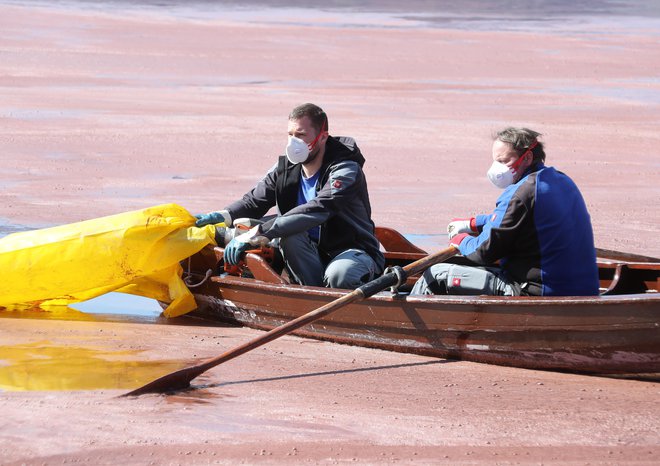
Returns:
point(261, 270)
point(630, 279)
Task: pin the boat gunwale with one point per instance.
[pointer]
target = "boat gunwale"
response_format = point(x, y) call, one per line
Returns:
point(333, 293)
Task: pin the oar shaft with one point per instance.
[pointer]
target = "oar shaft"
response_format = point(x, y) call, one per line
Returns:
point(182, 378)
point(283, 329)
point(432, 259)
point(365, 291)
point(358, 294)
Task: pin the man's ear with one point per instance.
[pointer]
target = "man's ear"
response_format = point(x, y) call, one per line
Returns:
point(531, 156)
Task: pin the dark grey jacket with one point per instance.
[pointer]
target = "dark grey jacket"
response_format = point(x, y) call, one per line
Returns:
point(341, 207)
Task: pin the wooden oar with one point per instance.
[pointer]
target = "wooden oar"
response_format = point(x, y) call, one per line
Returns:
point(181, 379)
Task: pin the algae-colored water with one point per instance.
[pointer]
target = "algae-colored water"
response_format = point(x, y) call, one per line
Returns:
point(43, 365)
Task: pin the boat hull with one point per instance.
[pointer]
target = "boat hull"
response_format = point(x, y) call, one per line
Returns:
point(598, 335)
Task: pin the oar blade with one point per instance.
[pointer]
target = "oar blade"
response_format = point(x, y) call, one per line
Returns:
point(178, 380)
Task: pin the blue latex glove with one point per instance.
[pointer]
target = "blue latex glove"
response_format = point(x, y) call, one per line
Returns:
point(209, 219)
point(234, 250)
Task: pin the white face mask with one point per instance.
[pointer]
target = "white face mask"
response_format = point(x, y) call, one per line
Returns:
point(500, 175)
point(297, 150)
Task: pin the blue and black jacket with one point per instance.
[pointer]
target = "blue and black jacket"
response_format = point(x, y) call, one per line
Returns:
point(541, 233)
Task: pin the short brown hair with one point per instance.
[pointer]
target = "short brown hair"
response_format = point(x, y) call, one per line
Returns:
point(520, 139)
point(315, 114)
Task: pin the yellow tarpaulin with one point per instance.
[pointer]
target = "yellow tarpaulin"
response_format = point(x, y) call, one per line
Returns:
point(134, 252)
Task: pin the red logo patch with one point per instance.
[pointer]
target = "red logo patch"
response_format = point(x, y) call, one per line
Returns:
point(336, 184)
point(456, 281)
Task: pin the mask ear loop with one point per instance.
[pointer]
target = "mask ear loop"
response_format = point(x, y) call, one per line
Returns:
point(530, 148)
point(522, 157)
point(316, 139)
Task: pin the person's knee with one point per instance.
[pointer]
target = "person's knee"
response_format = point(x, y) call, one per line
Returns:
point(349, 270)
point(338, 277)
point(457, 279)
point(433, 280)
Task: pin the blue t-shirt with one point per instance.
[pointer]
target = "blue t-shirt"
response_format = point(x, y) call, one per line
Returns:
point(307, 192)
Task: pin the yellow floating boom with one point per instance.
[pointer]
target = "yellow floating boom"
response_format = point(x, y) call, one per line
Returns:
point(134, 252)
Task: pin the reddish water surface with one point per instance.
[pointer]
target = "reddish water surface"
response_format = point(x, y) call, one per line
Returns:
point(105, 111)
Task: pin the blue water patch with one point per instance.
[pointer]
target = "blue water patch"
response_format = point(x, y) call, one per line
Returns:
point(647, 94)
point(120, 304)
point(490, 15)
point(42, 114)
point(428, 242)
point(6, 227)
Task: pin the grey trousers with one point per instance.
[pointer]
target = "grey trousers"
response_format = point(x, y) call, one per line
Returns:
point(349, 270)
point(465, 280)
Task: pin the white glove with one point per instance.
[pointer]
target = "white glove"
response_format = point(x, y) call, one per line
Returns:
point(460, 225)
point(253, 237)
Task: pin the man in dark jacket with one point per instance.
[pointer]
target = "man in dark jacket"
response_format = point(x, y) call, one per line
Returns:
point(540, 232)
point(326, 235)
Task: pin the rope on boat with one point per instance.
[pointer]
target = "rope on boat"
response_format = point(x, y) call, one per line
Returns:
point(188, 276)
point(208, 274)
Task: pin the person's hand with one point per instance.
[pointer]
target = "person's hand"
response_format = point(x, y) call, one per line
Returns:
point(211, 218)
point(235, 249)
point(461, 225)
point(456, 239)
point(241, 243)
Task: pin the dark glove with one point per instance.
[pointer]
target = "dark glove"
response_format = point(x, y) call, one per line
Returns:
point(211, 218)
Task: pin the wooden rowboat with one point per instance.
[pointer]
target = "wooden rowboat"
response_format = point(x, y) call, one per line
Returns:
point(617, 332)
